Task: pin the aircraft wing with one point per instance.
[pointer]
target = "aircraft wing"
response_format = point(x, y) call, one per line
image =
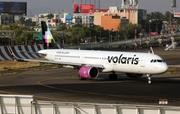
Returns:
point(61, 63)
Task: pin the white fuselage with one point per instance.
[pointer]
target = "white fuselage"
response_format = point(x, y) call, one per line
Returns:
point(127, 62)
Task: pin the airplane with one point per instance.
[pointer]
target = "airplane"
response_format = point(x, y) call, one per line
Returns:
point(90, 62)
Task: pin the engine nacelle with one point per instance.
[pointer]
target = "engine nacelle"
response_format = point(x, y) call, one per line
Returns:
point(132, 75)
point(88, 72)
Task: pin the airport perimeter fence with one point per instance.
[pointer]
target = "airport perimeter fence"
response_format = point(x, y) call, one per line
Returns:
point(26, 104)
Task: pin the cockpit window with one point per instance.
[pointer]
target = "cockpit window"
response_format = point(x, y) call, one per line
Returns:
point(156, 60)
point(160, 61)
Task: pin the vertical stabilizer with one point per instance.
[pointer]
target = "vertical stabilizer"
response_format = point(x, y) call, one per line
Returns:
point(48, 40)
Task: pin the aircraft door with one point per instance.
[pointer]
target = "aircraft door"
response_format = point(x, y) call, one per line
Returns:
point(83, 58)
point(52, 57)
point(143, 61)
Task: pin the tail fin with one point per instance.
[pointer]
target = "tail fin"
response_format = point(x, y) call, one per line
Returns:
point(151, 51)
point(48, 40)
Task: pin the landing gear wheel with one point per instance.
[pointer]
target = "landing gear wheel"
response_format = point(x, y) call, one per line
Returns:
point(149, 79)
point(80, 78)
point(149, 82)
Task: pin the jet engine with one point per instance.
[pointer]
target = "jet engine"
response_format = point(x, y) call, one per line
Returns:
point(88, 72)
point(132, 75)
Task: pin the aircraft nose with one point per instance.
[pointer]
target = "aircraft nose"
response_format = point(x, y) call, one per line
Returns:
point(164, 68)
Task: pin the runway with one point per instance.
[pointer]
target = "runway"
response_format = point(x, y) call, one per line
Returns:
point(62, 85)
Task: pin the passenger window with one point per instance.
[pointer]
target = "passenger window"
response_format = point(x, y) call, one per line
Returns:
point(152, 60)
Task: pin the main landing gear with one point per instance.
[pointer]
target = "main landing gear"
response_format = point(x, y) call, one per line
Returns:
point(113, 76)
point(149, 79)
point(80, 78)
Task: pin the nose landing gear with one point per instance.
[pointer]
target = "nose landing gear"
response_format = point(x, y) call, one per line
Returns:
point(149, 79)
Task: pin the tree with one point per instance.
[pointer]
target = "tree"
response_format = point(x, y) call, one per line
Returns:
point(62, 27)
point(96, 31)
point(128, 31)
point(78, 32)
point(154, 21)
point(50, 16)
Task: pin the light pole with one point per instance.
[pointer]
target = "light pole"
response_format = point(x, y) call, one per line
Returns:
point(90, 34)
point(100, 34)
point(171, 14)
point(118, 35)
point(135, 33)
point(157, 27)
point(109, 35)
point(149, 28)
point(140, 34)
point(95, 40)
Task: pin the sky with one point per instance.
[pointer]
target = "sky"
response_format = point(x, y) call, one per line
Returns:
point(45, 6)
